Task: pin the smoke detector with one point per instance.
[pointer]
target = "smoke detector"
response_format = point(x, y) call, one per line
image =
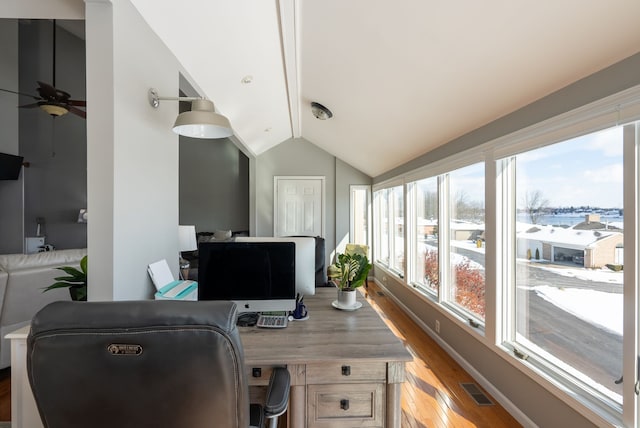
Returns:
point(320, 111)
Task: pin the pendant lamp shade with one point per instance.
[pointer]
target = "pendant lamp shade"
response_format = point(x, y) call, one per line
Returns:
point(202, 122)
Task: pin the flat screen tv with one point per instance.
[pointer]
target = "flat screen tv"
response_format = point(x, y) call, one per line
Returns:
point(257, 276)
point(10, 166)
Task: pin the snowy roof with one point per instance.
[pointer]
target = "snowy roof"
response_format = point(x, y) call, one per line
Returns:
point(465, 225)
point(561, 235)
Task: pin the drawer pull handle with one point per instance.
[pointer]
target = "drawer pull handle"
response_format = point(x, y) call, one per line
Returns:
point(344, 404)
point(346, 370)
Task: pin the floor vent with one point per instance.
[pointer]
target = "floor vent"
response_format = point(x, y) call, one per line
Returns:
point(476, 393)
point(380, 293)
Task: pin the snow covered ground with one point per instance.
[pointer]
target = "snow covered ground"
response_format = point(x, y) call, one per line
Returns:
point(595, 307)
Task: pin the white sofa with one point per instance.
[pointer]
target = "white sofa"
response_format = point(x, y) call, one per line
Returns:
point(22, 279)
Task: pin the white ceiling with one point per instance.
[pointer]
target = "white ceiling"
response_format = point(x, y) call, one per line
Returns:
point(401, 77)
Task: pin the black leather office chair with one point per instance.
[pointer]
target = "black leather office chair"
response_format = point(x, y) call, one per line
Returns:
point(144, 364)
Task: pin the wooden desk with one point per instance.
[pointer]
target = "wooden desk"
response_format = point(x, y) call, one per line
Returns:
point(333, 356)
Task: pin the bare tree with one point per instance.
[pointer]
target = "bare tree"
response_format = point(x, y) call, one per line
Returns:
point(535, 205)
point(467, 209)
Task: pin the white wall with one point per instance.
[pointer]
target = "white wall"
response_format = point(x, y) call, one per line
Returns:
point(43, 9)
point(132, 153)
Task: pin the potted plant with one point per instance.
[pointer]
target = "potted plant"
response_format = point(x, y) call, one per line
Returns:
point(353, 269)
point(76, 281)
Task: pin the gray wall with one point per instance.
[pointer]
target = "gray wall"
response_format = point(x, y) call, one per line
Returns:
point(55, 185)
point(214, 185)
point(11, 207)
point(540, 405)
point(299, 157)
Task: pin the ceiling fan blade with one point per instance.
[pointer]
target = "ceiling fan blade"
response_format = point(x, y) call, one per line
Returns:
point(46, 90)
point(77, 111)
point(20, 93)
point(34, 105)
point(79, 103)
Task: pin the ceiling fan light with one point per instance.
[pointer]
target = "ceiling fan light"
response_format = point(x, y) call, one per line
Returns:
point(53, 109)
point(202, 122)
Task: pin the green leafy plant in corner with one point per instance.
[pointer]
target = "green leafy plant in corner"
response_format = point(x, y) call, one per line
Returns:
point(76, 281)
point(354, 269)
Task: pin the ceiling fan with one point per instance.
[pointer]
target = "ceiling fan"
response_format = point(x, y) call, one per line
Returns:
point(52, 100)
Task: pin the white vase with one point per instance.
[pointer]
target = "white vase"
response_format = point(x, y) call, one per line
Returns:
point(347, 298)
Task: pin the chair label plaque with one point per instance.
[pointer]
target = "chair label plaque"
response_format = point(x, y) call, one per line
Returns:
point(124, 349)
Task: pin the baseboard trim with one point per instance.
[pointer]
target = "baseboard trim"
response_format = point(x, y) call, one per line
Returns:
point(495, 392)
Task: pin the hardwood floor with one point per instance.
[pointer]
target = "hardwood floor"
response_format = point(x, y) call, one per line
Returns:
point(431, 396)
point(5, 395)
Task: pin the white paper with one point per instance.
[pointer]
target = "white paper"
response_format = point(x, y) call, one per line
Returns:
point(160, 274)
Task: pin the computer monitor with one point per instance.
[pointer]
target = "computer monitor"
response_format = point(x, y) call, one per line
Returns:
point(305, 260)
point(257, 276)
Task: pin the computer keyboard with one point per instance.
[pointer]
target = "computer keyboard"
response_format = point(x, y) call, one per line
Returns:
point(272, 321)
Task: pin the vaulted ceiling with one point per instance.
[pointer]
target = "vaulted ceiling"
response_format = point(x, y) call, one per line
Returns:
point(401, 77)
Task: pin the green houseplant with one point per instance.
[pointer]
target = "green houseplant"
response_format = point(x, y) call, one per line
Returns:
point(353, 270)
point(76, 281)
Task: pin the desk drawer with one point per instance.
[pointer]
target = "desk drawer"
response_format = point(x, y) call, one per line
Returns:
point(264, 375)
point(353, 371)
point(346, 405)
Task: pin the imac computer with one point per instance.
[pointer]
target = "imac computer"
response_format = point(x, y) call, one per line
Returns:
point(257, 276)
point(305, 260)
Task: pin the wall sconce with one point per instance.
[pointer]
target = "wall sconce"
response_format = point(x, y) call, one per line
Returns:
point(83, 216)
point(201, 122)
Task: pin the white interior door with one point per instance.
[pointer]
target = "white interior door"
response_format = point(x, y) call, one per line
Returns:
point(298, 206)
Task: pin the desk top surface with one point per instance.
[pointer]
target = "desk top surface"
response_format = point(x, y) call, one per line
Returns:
point(328, 334)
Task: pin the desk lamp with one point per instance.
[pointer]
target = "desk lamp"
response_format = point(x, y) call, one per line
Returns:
point(187, 242)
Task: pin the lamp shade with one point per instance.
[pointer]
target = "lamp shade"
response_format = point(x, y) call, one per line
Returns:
point(187, 238)
point(202, 122)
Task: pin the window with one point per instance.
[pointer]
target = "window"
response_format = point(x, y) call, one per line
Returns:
point(382, 227)
point(568, 278)
point(548, 267)
point(397, 244)
point(425, 271)
point(360, 215)
point(389, 206)
point(466, 239)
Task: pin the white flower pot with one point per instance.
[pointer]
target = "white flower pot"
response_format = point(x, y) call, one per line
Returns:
point(347, 298)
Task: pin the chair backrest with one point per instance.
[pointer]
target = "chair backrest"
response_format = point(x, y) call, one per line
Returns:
point(138, 364)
